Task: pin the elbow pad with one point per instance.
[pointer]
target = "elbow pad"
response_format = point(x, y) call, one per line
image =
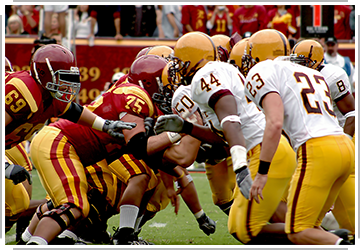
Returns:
point(73, 113)
point(137, 146)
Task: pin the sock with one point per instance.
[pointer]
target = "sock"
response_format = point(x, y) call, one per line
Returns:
point(137, 223)
point(128, 215)
point(69, 234)
point(26, 235)
point(199, 214)
point(37, 240)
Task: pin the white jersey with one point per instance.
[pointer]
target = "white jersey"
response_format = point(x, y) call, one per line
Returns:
point(219, 76)
point(339, 85)
point(182, 103)
point(307, 103)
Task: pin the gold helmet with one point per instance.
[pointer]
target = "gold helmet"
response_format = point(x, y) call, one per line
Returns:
point(160, 50)
point(222, 44)
point(265, 44)
point(237, 53)
point(308, 53)
point(191, 52)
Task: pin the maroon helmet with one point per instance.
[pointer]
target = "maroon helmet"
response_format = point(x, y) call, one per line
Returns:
point(146, 71)
point(53, 66)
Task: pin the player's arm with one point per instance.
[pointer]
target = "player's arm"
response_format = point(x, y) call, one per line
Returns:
point(8, 118)
point(346, 105)
point(274, 115)
point(83, 116)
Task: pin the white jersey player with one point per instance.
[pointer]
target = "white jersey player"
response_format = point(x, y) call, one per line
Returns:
point(310, 53)
point(212, 84)
point(297, 99)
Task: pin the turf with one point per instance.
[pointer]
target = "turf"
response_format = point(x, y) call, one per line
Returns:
point(167, 228)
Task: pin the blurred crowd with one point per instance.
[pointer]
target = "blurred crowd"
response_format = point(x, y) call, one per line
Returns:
point(165, 21)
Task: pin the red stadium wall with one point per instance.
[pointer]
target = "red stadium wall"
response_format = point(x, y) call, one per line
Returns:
point(98, 63)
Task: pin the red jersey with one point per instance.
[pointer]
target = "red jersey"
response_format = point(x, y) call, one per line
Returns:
point(29, 107)
point(341, 22)
point(92, 145)
point(27, 27)
point(250, 19)
point(221, 26)
point(283, 23)
point(195, 15)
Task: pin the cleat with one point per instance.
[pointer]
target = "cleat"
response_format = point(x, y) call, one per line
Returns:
point(206, 224)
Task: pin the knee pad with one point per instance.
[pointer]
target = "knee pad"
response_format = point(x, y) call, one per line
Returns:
point(49, 205)
point(64, 209)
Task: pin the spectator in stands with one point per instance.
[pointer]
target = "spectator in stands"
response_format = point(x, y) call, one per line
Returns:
point(15, 26)
point(249, 18)
point(107, 18)
point(193, 18)
point(82, 24)
point(61, 11)
point(282, 19)
point(332, 56)
point(170, 21)
point(137, 20)
point(220, 22)
point(352, 21)
point(30, 18)
point(55, 27)
point(341, 22)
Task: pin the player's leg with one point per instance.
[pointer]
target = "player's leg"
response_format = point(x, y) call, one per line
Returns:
point(324, 164)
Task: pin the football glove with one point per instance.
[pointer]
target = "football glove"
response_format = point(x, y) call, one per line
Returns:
point(149, 125)
point(172, 123)
point(244, 181)
point(206, 224)
point(17, 173)
point(114, 128)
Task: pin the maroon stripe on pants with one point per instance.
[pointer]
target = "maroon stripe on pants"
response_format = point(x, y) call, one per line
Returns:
point(298, 187)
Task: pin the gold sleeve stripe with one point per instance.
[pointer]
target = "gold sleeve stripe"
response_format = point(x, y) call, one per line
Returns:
point(23, 89)
point(97, 103)
point(139, 93)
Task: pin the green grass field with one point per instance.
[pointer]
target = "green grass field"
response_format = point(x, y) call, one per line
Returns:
point(167, 228)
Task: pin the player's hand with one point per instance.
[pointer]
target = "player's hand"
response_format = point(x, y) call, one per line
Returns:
point(174, 198)
point(114, 128)
point(17, 173)
point(258, 186)
point(172, 123)
point(244, 181)
point(149, 125)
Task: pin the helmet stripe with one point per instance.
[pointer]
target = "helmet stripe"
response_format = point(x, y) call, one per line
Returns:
point(213, 44)
point(284, 41)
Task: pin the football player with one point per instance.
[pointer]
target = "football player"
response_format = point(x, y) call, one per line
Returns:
point(48, 91)
point(310, 53)
point(297, 99)
point(218, 89)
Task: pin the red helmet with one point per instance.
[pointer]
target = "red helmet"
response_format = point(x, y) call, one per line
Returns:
point(54, 68)
point(142, 52)
point(146, 71)
point(8, 66)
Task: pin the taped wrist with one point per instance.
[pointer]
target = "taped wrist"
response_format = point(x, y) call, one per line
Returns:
point(173, 137)
point(238, 156)
point(264, 167)
point(98, 123)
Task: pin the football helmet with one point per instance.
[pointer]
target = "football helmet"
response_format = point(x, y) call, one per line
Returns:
point(222, 44)
point(8, 66)
point(237, 53)
point(54, 68)
point(160, 50)
point(265, 44)
point(308, 53)
point(146, 71)
point(142, 52)
point(191, 52)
